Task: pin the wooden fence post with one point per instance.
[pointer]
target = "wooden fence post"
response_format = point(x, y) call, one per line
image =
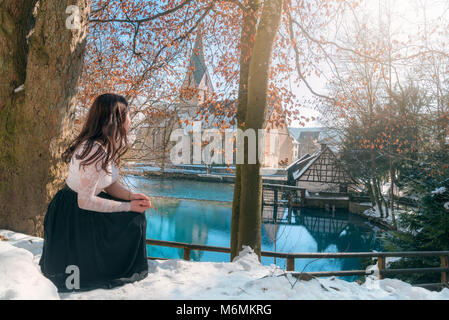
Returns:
point(381, 266)
point(290, 264)
point(303, 196)
point(444, 264)
point(187, 253)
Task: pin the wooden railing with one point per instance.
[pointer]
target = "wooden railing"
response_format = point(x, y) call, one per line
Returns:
point(290, 258)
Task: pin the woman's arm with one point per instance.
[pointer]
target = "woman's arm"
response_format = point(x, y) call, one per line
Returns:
point(118, 191)
point(90, 175)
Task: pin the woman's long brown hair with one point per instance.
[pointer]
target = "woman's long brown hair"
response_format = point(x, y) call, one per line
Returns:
point(105, 124)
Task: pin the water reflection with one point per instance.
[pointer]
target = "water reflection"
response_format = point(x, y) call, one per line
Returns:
point(313, 230)
point(209, 223)
point(183, 188)
point(199, 222)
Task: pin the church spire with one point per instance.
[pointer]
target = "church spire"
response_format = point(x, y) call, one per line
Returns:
point(197, 76)
point(197, 62)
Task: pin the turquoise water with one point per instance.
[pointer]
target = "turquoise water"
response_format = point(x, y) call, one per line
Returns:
point(200, 213)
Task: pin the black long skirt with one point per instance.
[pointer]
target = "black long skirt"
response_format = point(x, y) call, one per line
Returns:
point(101, 249)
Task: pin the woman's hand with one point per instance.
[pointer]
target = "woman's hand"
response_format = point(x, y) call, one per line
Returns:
point(140, 205)
point(139, 196)
point(140, 202)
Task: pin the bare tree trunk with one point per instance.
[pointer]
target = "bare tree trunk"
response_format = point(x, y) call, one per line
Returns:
point(235, 213)
point(369, 187)
point(378, 196)
point(376, 191)
point(375, 195)
point(164, 150)
point(392, 192)
point(16, 20)
point(251, 180)
point(246, 42)
point(35, 122)
point(382, 198)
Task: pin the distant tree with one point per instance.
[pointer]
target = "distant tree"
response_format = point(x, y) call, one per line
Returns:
point(426, 228)
point(372, 93)
point(152, 142)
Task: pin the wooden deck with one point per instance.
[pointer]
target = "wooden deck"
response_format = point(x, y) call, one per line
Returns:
point(292, 196)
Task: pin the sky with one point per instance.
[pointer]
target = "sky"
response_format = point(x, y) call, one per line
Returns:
point(406, 19)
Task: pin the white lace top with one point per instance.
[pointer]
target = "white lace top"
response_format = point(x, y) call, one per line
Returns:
point(88, 181)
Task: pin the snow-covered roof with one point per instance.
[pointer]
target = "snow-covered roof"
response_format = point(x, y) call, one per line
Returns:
point(308, 162)
point(299, 173)
point(296, 162)
point(295, 169)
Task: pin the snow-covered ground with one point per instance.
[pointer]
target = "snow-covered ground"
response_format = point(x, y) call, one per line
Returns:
point(375, 212)
point(244, 278)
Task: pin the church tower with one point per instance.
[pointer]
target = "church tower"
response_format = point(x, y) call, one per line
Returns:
point(197, 77)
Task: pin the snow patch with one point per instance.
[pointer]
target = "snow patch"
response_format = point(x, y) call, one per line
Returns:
point(20, 277)
point(440, 190)
point(243, 278)
point(18, 89)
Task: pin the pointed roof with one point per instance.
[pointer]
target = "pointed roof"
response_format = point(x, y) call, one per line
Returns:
point(197, 67)
point(197, 61)
point(317, 168)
